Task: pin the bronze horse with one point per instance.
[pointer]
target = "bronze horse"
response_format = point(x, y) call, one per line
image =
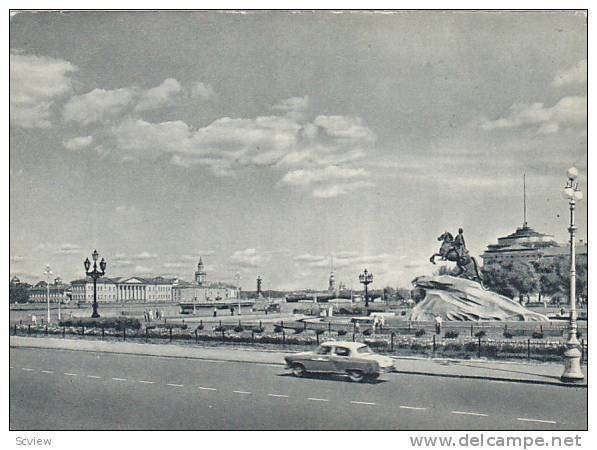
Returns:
point(467, 265)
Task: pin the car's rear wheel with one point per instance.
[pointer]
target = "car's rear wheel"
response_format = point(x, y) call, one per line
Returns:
point(355, 375)
point(298, 370)
point(373, 376)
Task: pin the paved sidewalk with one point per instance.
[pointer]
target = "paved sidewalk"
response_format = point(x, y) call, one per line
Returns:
point(539, 373)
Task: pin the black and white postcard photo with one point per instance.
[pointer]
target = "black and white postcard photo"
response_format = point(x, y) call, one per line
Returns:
point(297, 220)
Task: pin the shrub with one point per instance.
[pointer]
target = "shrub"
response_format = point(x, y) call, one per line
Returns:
point(537, 335)
point(219, 329)
point(117, 323)
point(480, 334)
point(368, 332)
point(278, 329)
point(341, 332)
point(199, 327)
point(319, 332)
point(403, 313)
point(508, 335)
point(258, 329)
point(420, 332)
point(451, 334)
point(298, 330)
point(238, 329)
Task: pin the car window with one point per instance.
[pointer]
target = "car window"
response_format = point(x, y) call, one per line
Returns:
point(342, 351)
point(324, 350)
point(364, 349)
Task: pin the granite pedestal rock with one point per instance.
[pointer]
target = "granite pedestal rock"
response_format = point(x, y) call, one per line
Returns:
point(455, 298)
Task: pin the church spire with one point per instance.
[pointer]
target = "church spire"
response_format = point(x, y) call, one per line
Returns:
point(524, 200)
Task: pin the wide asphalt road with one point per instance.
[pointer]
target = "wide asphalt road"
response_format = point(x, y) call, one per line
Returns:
point(72, 390)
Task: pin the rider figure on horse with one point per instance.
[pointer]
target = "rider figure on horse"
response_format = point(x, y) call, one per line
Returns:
point(459, 244)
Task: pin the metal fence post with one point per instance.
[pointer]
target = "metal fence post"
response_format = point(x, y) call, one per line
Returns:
point(146, 334)
point(329, 327)
point(223, 332)
point(582, 350)
point(15, 329)
point(103, 332)
point(196, 336)
point(479, 349)
point(352, 337)
point(472, 334)
point(170, 332)
point(63, 331)
point(305, 326)
point(46, 329)
point(29, 329)
point(528, 349)
point(252, 336)
point(317, 336)
point(434, 343)
point(283, 337)
point(392, 341)
point(124, 334)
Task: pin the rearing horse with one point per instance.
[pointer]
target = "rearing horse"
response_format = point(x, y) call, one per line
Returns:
point(465, 263)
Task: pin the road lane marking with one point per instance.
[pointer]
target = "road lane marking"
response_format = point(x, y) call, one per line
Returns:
point(241, 392)
point(278, 395)
point(207, 388)
point(46, 371)
point(469, 413)
point(119, 379)
point(363, 403)
point(26, 369)
point(71, 374)
point(174, 385)
point(535, 420)
point(146, 382)
point(412, 407)
point(93, 376)
point(314, 399)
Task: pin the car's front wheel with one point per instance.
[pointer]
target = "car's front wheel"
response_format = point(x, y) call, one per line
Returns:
point(298, 370)
point(355, 375)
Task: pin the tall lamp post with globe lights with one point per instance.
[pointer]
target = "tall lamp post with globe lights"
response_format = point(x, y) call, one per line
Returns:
point(572, 372)
point(95, 274)
point(366, 279)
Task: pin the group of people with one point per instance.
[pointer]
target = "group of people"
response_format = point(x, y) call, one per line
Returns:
point(150, 315)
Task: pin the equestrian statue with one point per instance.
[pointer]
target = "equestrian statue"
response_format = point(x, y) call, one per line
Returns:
point(454, 249)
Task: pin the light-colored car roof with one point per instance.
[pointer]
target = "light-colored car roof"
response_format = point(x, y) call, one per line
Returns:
point(348, 344)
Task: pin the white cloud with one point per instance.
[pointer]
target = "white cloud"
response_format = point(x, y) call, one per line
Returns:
point(247, 258)
point(202, 90)
point(97, 105)
point(142, 270)
point(330, 181)
point(126, 210)
point(68, 249)
point(78, 143)
point(35, 83)
point(163, 95)
point(346, 130)
point(336, 189)
point(292, 104)
point(144, 255)
point(575, 74)
point(568, 110)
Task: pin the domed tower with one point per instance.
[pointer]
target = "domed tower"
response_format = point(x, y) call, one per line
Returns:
point(332, 279)
point(200, 275)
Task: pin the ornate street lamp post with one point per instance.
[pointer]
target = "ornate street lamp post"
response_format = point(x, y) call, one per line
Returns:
point(572, 372)
point(95, 274)
point(237, 276)
point(366, 279)
point(47, 273)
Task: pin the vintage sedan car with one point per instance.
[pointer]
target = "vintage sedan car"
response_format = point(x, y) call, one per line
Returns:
point(354, 359)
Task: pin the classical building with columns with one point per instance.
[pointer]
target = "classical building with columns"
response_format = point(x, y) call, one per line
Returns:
point(132, 289)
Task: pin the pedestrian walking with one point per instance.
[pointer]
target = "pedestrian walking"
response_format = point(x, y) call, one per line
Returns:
point(215, 311)
point(438, 324)
point(34, 320)
point(150, 315)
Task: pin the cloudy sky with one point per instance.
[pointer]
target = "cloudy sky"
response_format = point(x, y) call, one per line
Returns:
point(267, 142)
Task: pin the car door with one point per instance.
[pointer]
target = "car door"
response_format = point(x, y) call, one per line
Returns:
point(341, 358)
point(320, 360)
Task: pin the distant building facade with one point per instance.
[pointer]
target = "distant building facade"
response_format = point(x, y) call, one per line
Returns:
point(526, 244)
point(202, 291)
point(132, 289)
